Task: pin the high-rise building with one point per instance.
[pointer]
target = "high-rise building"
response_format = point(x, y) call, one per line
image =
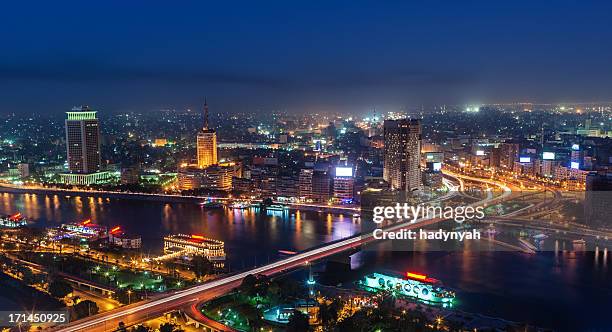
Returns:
point(305, 184)
point(321, 186)
point(598, 198)
point(509, 153)
point(344, 184)
point(83, 141)
point(206, 143)
point(402, 154)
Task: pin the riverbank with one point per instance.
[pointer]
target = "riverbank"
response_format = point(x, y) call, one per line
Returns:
point(103, 194)
point(165, 198)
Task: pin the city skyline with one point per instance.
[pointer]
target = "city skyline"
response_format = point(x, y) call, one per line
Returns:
point(443, 166)
point(303, 57)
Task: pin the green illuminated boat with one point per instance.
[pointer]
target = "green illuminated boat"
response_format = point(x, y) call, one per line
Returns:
point(412, 285)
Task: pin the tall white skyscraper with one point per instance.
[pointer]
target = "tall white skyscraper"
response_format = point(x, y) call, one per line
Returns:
point(83, 141)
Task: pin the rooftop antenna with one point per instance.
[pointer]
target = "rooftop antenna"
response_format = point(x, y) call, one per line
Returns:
point(205, 114)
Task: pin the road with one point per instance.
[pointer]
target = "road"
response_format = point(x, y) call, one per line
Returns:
point(142, 311)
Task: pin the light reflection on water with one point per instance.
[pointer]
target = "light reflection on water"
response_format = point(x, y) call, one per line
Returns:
point(533, 288)
point(249, 234)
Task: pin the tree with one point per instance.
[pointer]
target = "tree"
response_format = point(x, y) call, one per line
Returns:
point(201, 266)
point(59, 288)
point(121, 327)
point(141, 328)
point(85, 308)
point(253, 315)
point(126, 295)
point(169, 327)
point(248, 284)
point(329, 312)
point(298, 322)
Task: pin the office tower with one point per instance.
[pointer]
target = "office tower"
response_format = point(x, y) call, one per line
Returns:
point(402, 154)
point(321, 186)
point(83, 141)
point(305, 184)
point(509, 153)
point(206, 143)
point(598, 199)
point(344, 184)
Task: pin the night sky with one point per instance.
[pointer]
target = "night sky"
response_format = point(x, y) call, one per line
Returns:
point(347, 56)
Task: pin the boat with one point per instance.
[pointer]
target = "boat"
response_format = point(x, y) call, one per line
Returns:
point(240, 205)
point(13, 221)
point(211, 205)
point(411, 285)
point(277, 207)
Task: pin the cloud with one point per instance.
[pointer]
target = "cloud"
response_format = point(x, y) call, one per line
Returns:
point(79, 71)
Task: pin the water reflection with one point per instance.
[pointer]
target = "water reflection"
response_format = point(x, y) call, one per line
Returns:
point(248, 232)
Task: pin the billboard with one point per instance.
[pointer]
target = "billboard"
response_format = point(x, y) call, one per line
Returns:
point(344, 171)
point(437, 167)
point(575, 165)
point(575, 147)
point(548, 156)
point(525, 159)
point(480, 153)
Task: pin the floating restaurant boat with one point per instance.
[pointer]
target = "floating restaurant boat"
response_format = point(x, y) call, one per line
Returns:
point(178, 244)
point(212, 205)
point(412, 285)
point(240, 205)
point(85, 230)
point(277, 207)
point(13, 221)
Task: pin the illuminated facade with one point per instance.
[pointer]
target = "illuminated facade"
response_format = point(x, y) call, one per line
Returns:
point(212, 249)
point(305, 184)
point(206, 144)
point(414, 285)
point(83, 141)
point(207, 148)
point(402, 154)
point(213, 177)
point(344, 184)
point(13, 221)
point(125, 241)
point(86, 179)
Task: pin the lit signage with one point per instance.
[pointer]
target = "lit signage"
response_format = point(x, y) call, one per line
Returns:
point(437, 167)
point(417, 276)
point(575, 147)
point(575, 165)
point(344, 171)
point(525, 159)
point(480, 153)
point(548, 156)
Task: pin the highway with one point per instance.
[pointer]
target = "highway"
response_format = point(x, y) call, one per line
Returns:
point(142, 311)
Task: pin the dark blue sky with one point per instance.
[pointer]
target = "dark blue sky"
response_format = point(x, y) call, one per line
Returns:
point(301, 56)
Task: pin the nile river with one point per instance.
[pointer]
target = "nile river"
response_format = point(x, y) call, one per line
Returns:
point(566, 291)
